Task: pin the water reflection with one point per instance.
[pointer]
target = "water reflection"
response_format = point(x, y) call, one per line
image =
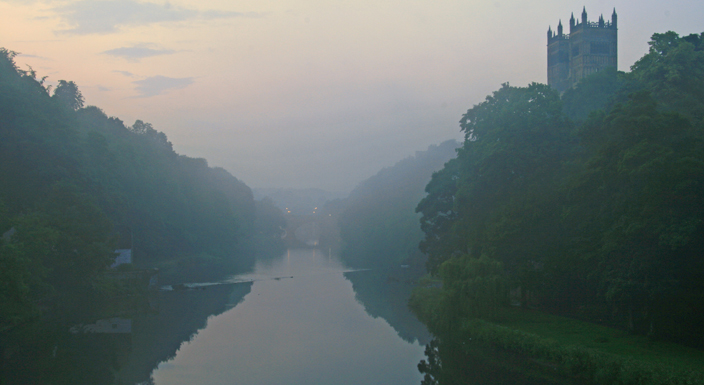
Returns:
point(294, 320)
point(157, 336)
point(385, 293)
point(77, 349)
point(301, 324)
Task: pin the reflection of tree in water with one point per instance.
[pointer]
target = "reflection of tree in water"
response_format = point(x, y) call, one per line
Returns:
point(45, 353)
point(48, 353)
point(53, 348)
point(157, 337)
point(385, 294)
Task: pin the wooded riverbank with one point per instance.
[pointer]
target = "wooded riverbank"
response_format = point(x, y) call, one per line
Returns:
point(554, 348)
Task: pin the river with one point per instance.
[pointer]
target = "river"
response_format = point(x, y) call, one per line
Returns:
point(300, 318)
point(300, 324)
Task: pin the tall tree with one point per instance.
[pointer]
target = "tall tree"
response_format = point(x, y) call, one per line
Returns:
point(646, 170)
point(67, 93)
point(673, 70)
point(497, 198)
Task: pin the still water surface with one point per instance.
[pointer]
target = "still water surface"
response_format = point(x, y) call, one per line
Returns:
point(300, 324)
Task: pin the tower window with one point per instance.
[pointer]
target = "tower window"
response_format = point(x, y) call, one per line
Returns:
point(600, 48)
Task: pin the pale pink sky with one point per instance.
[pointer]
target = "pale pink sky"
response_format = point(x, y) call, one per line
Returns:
point(306, 93)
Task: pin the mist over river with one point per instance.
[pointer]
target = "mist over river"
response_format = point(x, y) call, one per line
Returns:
point(300, 324)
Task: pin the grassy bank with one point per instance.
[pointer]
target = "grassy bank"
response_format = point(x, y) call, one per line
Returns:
point(583, 352)
point(579, 351)
point(604, 339)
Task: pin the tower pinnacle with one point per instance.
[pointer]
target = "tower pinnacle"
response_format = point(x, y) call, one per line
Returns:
point(589, 47)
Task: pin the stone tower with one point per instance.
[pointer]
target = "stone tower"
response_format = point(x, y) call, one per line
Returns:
point(589, 47)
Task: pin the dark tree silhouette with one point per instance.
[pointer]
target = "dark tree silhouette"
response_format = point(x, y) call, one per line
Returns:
point(69, 94)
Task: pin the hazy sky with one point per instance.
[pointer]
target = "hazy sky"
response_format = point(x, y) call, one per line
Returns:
point(307, 93)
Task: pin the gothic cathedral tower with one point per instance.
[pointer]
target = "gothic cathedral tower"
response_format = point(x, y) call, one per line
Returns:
point(589, 47)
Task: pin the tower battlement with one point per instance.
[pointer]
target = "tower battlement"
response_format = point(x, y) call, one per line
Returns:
point(589, 47)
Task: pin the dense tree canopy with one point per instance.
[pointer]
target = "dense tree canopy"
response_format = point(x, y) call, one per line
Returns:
point(489, 199)
point(77, 184)
point(592, 203)
point(378, 225)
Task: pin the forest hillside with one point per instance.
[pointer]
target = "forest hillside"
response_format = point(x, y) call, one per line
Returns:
point(589, 204)
point(77, 185)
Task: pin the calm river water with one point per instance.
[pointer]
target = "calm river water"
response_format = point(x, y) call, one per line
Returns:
point(301, 318)
point(300, 323)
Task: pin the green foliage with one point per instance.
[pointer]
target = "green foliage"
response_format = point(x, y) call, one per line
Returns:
point(468, 288)
point(59, 247)
point(552, 346)
point(270, 220)
point(173, 205)
point(16, 304)
point(476, 287)
point(646, 166)
point(595, 92)
point(490, 198)
point(439, 215)
point(69, 95)
point(77, 184)
point(429, 303)
point(378, 225)
point(601, 217)
point(673, 70)
point(589, 365)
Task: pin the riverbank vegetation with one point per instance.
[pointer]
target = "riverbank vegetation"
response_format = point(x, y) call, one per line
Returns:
point(78, 184)
point(379, 230)
point(549, 347)
point(378, 225)
point(590, 205)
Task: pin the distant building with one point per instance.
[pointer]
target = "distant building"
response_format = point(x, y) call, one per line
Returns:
point(123, 256)
point(589, 47)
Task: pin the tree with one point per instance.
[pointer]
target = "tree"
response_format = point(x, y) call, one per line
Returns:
point(142, 128)
point(498, 197)
point(673, 70)
point(269, 220)
point(379, 226)
point(15, 276)
point(595, 92)
point(69, 94)
point(646, 173)
point(606, 220)
point(146, 129)
point(477, 287)
point(438, 215)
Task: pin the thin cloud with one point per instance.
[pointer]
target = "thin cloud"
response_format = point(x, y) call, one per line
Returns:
point(212, 14)
point(157, 85)
point(138, 52)
point(33, 56)
point(102, 17)
point(125, 73)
